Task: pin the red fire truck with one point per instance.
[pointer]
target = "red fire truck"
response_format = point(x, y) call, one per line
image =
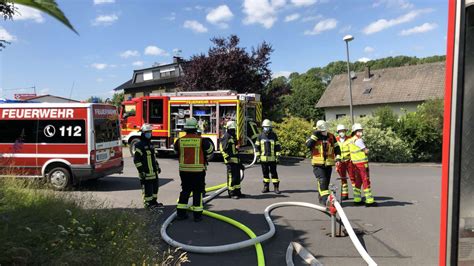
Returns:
point(167, 112)
point(64, 143)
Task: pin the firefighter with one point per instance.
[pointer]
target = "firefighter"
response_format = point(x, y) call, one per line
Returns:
point(148, 168)
point(192, 151)
point(268, 153)
point(360, 163)
point(228, 148)
point(323, 148)
point(343, 161)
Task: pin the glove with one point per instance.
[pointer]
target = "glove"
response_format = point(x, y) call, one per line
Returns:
point(258, 159)
point(142, 175)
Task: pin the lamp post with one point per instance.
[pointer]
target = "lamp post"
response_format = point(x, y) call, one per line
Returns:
point(347, 39)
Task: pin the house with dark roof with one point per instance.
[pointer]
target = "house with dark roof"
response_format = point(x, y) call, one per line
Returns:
point(156, 79)
point(400, 88)
point(47, 98)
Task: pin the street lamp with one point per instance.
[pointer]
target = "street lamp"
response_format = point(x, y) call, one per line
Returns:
point(347, 39)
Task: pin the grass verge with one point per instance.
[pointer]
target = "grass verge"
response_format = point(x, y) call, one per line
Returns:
point(39, 226)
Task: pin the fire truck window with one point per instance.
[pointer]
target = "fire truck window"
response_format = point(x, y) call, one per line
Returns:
point(62, 131)
point(206, 117)
point(226, 113)
point(156, 111)
point(18, 131)
point(251, 113)
point(129, 109)
point(466, 203)
point(106, 130)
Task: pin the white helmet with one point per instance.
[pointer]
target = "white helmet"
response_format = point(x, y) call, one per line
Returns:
point(341, 127)
point(146, 128)
point(267, 123)
point(191, 123)
point(231, 125)
point(321, 125)
point(356, 127)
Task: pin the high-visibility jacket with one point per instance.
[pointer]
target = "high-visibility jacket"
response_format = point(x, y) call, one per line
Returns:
point(322, 149)
point(357, 154)
point(228, 149)
point(268, 147)
point(192, 151)
point(344, 146)
point(145, 160)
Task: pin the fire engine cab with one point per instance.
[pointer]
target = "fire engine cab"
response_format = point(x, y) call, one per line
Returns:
point(167, 113)
point(65, 143)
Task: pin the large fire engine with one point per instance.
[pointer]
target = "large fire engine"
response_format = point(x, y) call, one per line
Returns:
point(167, 112)
point(65, 143)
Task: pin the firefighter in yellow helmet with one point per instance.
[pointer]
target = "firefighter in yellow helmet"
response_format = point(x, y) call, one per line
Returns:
point(268, 153)
point(148, 168)
point(360, 161)
point(324, 148)
point(192, 151)
point(344, 166)
point(228, 148)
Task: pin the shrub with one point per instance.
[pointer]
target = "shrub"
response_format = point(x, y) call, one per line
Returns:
point(292, 133)
point(384, 144)
point(386, 117)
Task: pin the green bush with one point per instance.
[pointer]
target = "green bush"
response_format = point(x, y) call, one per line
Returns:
point(384, 145)
point(292, 133)
point(386, 117)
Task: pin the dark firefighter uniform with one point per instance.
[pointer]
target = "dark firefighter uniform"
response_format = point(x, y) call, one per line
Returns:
point(148, 170)
point(268, 152)
point(232, 162)
point(192, 150)
point(323, 150)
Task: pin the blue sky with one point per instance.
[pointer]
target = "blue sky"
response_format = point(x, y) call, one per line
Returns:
point(118, 36)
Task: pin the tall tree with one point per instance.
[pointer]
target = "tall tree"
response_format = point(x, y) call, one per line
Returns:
point(273, 98)
point(306, 90)
point(227, 66)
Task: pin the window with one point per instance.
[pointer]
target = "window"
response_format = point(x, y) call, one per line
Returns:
point(361, 116)
point(106, 130)
point(139, 78)
point(367, 91)
point(340, 116)
point(156, 111)
point(129, 110)
point(18, 131)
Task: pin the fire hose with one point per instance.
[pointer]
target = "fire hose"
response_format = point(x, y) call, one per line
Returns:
point(256, 240)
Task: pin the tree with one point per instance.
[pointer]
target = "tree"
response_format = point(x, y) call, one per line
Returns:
point(117, 99)
point(272, 98)
point(306, 90)
point(94, 99)
point(386, 117)
point(7, 10)
point(227, 66)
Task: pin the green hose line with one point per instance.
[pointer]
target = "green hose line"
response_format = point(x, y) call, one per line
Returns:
point(248, 231)
point(209, 189)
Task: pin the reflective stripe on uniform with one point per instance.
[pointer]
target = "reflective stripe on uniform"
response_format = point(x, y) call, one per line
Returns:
point(182, 206)
point(275, 180)
point(266, 180)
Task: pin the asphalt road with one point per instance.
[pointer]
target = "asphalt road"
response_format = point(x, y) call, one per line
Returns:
point(402, 230)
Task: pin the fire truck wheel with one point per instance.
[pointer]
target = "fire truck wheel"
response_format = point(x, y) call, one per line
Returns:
point(132, 145)
point(59, 178)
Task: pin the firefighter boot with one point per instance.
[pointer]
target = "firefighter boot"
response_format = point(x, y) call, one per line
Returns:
point(181, 214)
point(266, 187)
point(277, 188)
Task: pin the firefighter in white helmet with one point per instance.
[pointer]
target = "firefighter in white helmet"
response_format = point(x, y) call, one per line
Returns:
point(324, 149)
point(360, 162)
point(148, 168)
point(228, 148)
point(344, 166)
point(268, 153)
point(192, 151)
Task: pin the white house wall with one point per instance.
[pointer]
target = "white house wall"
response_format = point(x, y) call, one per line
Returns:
point(364, 110)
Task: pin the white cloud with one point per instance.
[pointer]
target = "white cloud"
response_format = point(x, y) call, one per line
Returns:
point(153, 50)
point(99, 2)
point(194, 26)
point(383, 24)
point(129, 53)
point(220, 15)
point(99, 66)
point(403, 4)
point(419, 29)
point(303, 2)
point(138, 63)
point(311, 18)
point(27, 13)
point(285, 74)
point(171, 17)
point(262, 12)
point(345, 29)
point(323, 25)
point(364, 59)
point(292, 17)
point(105, 20)
point(6, 36)
point(369, 49)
